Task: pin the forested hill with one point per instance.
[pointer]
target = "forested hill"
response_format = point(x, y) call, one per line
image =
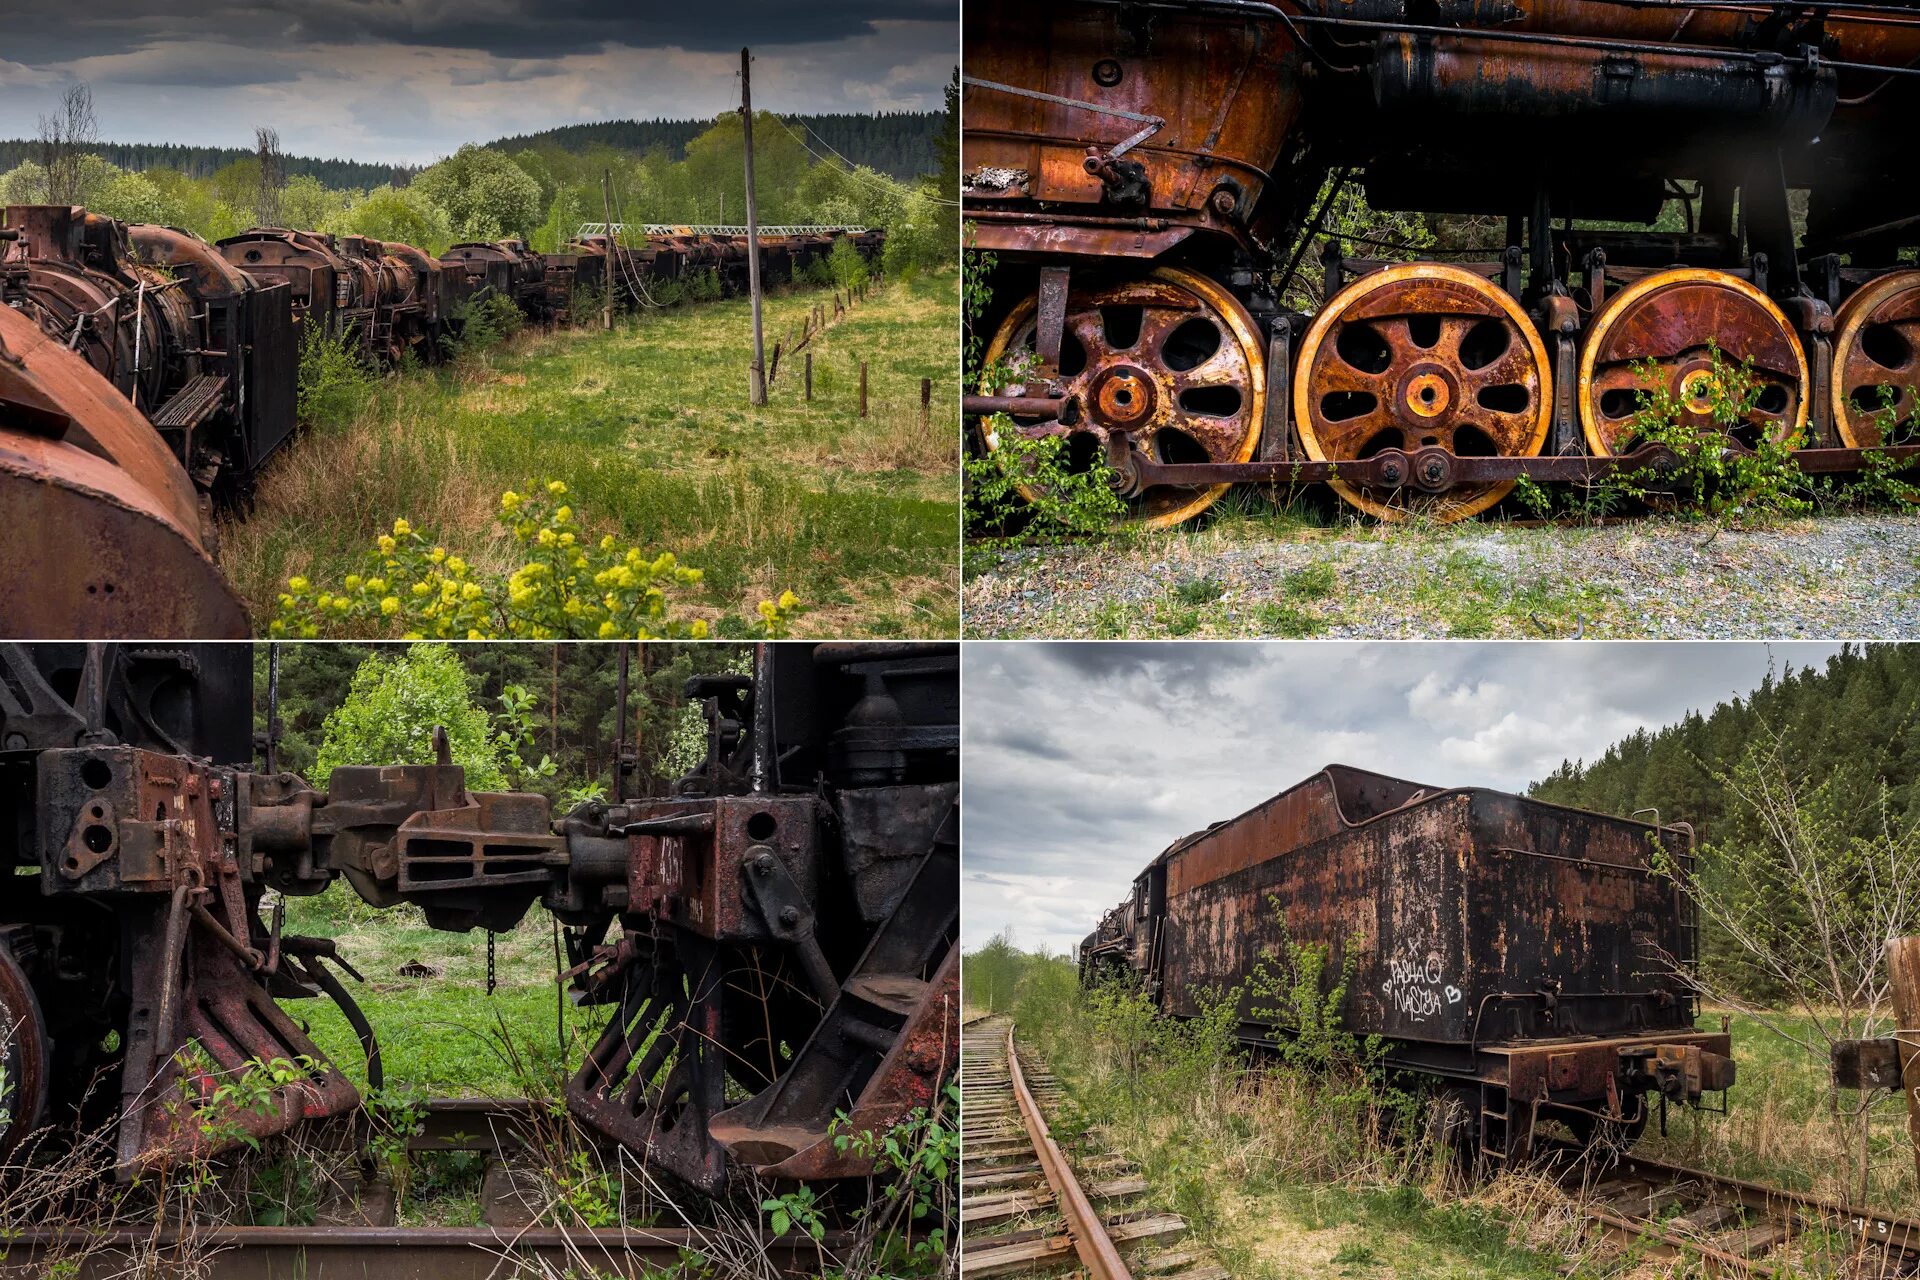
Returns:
point(1853, 724)
point(203, 162)
point(898, 143)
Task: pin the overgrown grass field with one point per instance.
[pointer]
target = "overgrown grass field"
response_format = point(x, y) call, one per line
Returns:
point(650, 428)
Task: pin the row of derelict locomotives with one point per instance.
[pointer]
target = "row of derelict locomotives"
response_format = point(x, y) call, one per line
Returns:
point(147, 377)
point(1524, 963)
point(1149, 174)
point(773, 942)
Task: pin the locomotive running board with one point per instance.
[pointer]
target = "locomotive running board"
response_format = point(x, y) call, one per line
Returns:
point(879, 1051)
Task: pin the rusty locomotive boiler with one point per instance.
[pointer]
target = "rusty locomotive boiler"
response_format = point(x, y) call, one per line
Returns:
point(775, 941)
point(1628, 178)
point(1525, 960)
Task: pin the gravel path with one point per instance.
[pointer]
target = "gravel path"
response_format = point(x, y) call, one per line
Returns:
point(1825, 577)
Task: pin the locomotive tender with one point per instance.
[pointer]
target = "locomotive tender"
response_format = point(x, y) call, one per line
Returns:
point(775, 939)
point(1148, 175)
point(1525, 959)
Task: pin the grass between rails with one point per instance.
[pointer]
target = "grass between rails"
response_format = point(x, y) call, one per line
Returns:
point(1275, 1176)
point(650, 428)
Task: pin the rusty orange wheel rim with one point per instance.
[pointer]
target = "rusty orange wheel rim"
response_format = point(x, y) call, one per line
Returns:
point(1172, 360)
point(1660, 334)
point(1876, 361)
point(1415, 356)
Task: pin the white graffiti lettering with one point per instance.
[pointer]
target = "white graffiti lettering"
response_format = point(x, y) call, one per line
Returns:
point(1417, 986)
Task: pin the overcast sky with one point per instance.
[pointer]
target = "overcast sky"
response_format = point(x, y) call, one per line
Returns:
point(1081, 762)
point(407, 81)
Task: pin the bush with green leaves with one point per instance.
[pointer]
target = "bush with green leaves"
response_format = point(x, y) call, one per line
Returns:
point(1028, 488)
point(395, 703)
point(334, 383)
point(568, 587)
point(1719, 479)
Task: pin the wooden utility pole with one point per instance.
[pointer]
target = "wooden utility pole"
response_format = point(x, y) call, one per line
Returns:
point(757, 376)
point(1903, 970)
point(606, 205)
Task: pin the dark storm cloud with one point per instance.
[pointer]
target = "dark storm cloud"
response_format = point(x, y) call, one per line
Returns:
point(505, 28)
point(1084, 761)
point(409, 81)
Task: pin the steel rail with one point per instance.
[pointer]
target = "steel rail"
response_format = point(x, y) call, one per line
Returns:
point(374, 1253)
point(1794, 1211)
point(1089, 1235)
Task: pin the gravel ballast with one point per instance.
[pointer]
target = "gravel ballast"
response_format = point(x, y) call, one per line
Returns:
point(1839, 577)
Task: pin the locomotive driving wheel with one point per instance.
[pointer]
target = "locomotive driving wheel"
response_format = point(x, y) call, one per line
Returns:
point(24, 1050)
point(1422, 355)
point(1682, 332)
point(1172, 361)
point(1876, 361)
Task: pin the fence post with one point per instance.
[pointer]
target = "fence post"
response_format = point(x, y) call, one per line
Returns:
point(773, 365)
point(809, 375)
point(1903, 971)
point(863, 388)
point(926, 403)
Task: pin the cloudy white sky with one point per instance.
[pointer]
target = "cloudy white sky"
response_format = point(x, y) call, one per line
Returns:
point(407, 81)
point(1083, 761)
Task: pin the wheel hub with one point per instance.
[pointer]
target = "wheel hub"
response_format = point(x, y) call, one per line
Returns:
point(1123, 398)
point(1427, 391)
point(1698, 386)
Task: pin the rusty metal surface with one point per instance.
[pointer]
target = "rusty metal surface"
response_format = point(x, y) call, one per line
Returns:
point(1526, 950)
point(86, 484)
point(1876, 361)
point(1227, 87)
point(1171, 365)
point(1422, 356)
point(379, 1253)
point(793, 942)
point(1660, 334)
point(785, 929)
point(1463, 908)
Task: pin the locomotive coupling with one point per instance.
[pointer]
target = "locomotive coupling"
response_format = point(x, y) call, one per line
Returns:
point(1678, 1072)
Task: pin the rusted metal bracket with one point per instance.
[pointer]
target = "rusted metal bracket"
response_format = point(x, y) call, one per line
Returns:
point(1562, 323)
point(1051, 319)
point(1276, 428)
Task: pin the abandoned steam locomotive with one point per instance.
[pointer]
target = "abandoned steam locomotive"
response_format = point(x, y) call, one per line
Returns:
point(200, 344)
point(1526, 960)
point(1650, 193)
point(775, 940)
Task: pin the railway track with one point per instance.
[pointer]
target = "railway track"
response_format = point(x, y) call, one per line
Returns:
point(510, 1240)
point(1024, 1209)
point(1736, 1227)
